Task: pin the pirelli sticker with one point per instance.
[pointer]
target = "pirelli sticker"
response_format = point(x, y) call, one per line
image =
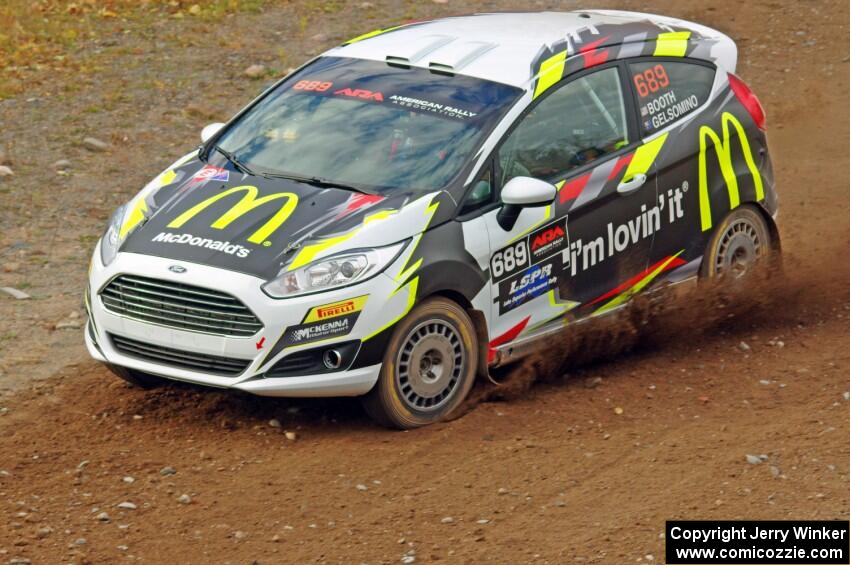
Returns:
point(325, 322)
point(341, 308)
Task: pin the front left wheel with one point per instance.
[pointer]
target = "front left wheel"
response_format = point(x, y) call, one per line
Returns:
point(428, 368)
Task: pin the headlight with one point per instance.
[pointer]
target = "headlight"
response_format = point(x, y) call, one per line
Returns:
point(333, 272)
point(111, 240)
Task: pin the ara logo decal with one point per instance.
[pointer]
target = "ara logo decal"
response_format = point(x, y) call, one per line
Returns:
point(542, 243)
point(260, 343)
point(210, 172)
point(549, 240)
point(250, 200)
point(360, 93)
point(723, 151)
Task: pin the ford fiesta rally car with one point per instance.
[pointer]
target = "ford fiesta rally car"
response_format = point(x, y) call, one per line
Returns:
point(430, 200)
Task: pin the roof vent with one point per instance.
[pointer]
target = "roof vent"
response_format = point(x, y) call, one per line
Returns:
point(417, 48)
point(458, 55)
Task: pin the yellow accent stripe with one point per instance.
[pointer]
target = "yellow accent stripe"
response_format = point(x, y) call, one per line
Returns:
point(672, 44)
point(382, 215)
point(167, 178)
point(309, 252)
point(644, 157)
point(551, 71)
point(411, 287)
point(566, 306)
point(136, 217)
point(405, 274)
point(723, 150)
point(627, 294)
point(547, 211)
point(371, 34)
point(405, 271)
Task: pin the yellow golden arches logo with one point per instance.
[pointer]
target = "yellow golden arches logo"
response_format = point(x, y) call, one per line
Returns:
point(248, 202)
point(723, 150)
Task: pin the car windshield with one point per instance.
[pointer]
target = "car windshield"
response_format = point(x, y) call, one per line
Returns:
point(369, 125)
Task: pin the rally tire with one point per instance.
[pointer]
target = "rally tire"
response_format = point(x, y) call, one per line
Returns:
point(428, 368)
point(740, 241)
point(135, 378)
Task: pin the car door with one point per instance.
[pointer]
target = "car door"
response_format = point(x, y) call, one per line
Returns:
point(579, 253)
point(671, 96)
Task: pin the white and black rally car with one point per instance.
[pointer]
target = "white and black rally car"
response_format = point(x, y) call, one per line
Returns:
point(428, 201)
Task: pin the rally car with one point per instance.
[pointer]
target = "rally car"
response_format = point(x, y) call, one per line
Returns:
point(429, 201)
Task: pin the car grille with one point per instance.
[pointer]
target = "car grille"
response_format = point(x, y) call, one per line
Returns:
point(180, 306)
point(191, 360)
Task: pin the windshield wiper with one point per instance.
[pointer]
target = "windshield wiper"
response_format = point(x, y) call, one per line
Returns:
point(234, 160)
point(318, 182)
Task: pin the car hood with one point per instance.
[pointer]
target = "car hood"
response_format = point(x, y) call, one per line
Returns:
point(215, 215)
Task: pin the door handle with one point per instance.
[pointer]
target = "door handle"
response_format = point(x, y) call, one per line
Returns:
point(629, 186)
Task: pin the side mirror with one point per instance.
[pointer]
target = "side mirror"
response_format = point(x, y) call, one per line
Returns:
point(523, 192)
point(209, 131)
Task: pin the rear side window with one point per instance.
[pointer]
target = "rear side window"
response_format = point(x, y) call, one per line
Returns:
point(668, 91)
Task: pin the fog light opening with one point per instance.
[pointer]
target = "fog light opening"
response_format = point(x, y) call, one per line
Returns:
point(332, 359)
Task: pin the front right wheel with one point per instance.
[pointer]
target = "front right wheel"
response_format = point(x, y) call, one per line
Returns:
point(428, 368)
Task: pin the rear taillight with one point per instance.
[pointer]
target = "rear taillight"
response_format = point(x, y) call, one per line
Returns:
point(749, 100)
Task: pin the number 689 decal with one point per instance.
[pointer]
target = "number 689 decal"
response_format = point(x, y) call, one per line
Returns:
point(508, 260)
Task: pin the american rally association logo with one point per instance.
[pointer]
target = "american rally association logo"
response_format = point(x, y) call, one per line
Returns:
point(548, 240)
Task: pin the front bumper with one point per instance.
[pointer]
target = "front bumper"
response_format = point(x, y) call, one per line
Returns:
point(382, 307)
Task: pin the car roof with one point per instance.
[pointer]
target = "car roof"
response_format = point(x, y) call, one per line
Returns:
point(513, 47)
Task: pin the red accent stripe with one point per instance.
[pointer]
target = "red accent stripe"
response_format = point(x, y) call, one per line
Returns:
point(506, 337)
point(592, 56)
point(621, 164)
point(573, 188)
point(637, 278)
point(359, 200)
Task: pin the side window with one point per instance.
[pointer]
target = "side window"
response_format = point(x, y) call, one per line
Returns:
point(667, 91)
point(481, 193)
point(580, 122)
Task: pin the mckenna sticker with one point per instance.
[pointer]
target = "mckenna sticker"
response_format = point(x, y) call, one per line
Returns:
point(317, 331)
point(209, 172)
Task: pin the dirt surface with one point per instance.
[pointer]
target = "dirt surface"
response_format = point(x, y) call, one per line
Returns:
point(576, 464)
